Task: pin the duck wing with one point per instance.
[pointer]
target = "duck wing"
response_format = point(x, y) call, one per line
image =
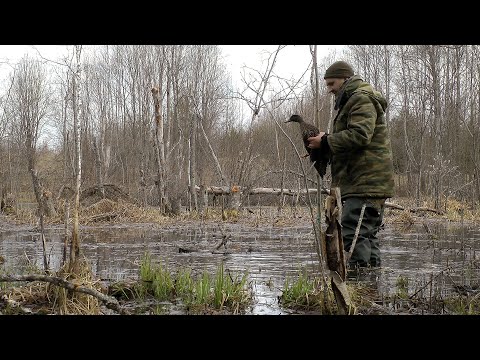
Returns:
point(308, 130)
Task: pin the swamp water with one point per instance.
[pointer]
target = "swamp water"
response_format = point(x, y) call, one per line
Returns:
point(438, 257)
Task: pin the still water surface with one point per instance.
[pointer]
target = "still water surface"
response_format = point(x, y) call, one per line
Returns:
point(270, 255)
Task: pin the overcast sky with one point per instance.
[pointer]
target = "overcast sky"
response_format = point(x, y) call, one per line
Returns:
point(10, 54)
point(292, 60)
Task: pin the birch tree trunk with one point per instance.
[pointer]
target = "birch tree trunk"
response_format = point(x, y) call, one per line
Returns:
point(192, 163)
point(433, 58)
point(215, 159)
point(160, 150)
point(316, 99)
point(76, 92)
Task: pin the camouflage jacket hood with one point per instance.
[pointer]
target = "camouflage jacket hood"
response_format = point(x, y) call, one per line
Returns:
point(360, 147)
point(354, 84)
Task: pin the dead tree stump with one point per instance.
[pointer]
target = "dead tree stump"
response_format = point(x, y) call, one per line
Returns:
point(333, 245)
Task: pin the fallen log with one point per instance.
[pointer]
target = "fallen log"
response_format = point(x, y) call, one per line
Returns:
point(416, 209)
point(110, 302)
point(102, 217)
point(225, 190)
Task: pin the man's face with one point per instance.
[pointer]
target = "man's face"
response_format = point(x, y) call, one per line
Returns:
point(334, 85)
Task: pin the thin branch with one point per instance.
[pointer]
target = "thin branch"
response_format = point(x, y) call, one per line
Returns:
point(357, 231)
point(53, 61)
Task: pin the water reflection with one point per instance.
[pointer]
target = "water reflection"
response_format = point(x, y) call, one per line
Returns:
point(269, 255)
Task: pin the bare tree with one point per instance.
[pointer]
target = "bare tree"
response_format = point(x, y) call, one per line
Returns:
point(160, 150)
point(255, 105)
point(30, 101)
point(76, 106)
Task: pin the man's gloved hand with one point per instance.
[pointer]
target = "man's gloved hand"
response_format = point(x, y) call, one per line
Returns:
point(321, 155)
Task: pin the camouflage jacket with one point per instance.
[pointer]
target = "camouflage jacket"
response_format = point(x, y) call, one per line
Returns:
point(361, 157)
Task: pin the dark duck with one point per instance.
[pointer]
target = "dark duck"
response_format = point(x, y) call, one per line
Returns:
point(319, 158)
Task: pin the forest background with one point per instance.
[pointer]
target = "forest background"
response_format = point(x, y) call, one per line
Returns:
point(159, 121)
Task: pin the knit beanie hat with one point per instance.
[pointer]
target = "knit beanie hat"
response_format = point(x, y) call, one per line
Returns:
point(339, 69)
